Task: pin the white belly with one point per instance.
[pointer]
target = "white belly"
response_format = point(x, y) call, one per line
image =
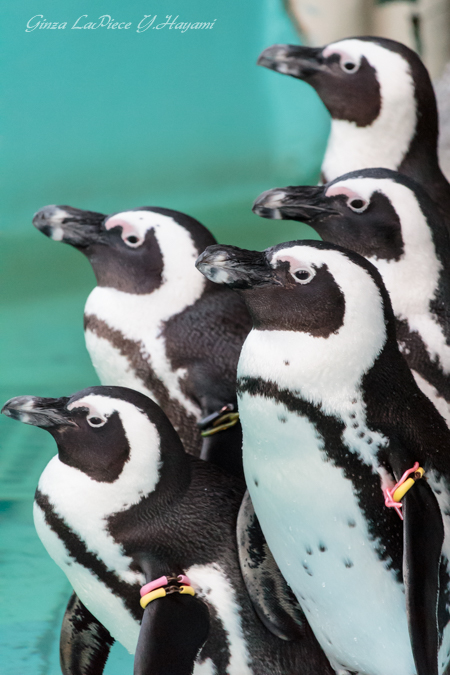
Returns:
point(109, 609)
point(315, 529)
point(210, 583)
point(139, 318)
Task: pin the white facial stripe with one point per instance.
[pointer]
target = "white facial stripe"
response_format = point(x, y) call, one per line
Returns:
point(323, 369)
point(341, 189)
point(141, 318)
point(345, 55)
point(84, 503)
point(129, 228)
point(413, 280)
point(386, 141)
point(135, 223)
point(85, 403)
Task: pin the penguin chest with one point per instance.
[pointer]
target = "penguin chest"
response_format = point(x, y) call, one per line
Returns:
point(319, 537)
point(89, 578)
point(125, 339)
point(124, 336)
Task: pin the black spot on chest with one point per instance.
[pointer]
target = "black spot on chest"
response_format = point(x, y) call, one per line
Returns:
point(384, 527)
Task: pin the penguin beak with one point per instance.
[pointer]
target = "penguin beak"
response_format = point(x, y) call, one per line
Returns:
point(71, 226)
point(235, 267)
point(305, 203)
point(300, 62)
point(40, 412)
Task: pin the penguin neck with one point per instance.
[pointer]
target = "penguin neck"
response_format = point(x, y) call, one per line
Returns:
point(153, 471)
point(137, 312)
point(384, 143)
point(417, 282)
point(323, 371)
point(421, 162)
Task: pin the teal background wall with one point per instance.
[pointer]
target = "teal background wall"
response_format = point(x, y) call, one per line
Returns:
point(109, 120)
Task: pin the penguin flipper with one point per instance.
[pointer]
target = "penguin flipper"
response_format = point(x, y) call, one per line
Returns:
point(423, 535)
point(173, 630)
point(225, 450)
point(84, 643)
point(272, 598)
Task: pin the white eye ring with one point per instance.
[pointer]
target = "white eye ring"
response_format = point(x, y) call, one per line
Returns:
point(96, 424)
point(349, 66)
point(357, 204)
point(303, 274)
point(135, 241)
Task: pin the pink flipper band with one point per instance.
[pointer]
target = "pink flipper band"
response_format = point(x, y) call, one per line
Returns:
point(164, 581)
point(389, 500)
point(183, 579)
point(152, 585)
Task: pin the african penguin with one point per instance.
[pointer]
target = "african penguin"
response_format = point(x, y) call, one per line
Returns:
point(153, 323)
point(382, 104)
point(331, 417)
point(386, 217)
point(121, 505)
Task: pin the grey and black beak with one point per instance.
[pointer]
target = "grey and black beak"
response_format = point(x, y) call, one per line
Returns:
point(300, 62)
point(235, 267)
point(72, 226)
point(306, 204)
point(40, 412)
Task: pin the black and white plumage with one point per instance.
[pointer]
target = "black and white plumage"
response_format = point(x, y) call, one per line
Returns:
point(386, 217)
point(331, 415)
point(122, 504)
point(153, 323)
point(382, 104)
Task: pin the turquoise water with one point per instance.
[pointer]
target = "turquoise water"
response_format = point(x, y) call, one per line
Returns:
point(109, 122)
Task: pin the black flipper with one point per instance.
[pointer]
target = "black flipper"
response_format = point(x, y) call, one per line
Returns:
point(173, 630)
point(225, 450)
point(423, 535)
point(272, 599)
point(85, 643)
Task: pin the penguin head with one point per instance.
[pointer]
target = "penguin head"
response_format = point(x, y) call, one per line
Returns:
point(382, 215)
point(111, 434)
point(309, 287)
point(375, 212)
point(134, 251)
point(359, 77)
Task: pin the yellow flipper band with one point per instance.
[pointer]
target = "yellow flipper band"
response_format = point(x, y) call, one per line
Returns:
point(223, 422)
point(402, 489)
point(161, 593)
point(153, 595)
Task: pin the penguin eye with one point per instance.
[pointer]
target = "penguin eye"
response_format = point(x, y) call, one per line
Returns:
point(349, 66)
point(303, 275)
point(132, 241)
point(96, 421)
point(358, 205)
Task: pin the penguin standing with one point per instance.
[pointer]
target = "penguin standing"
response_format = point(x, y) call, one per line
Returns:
point(391, 221)
point(331, 419)
point(155, 324)
point(122, 506)
point(382, 104)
